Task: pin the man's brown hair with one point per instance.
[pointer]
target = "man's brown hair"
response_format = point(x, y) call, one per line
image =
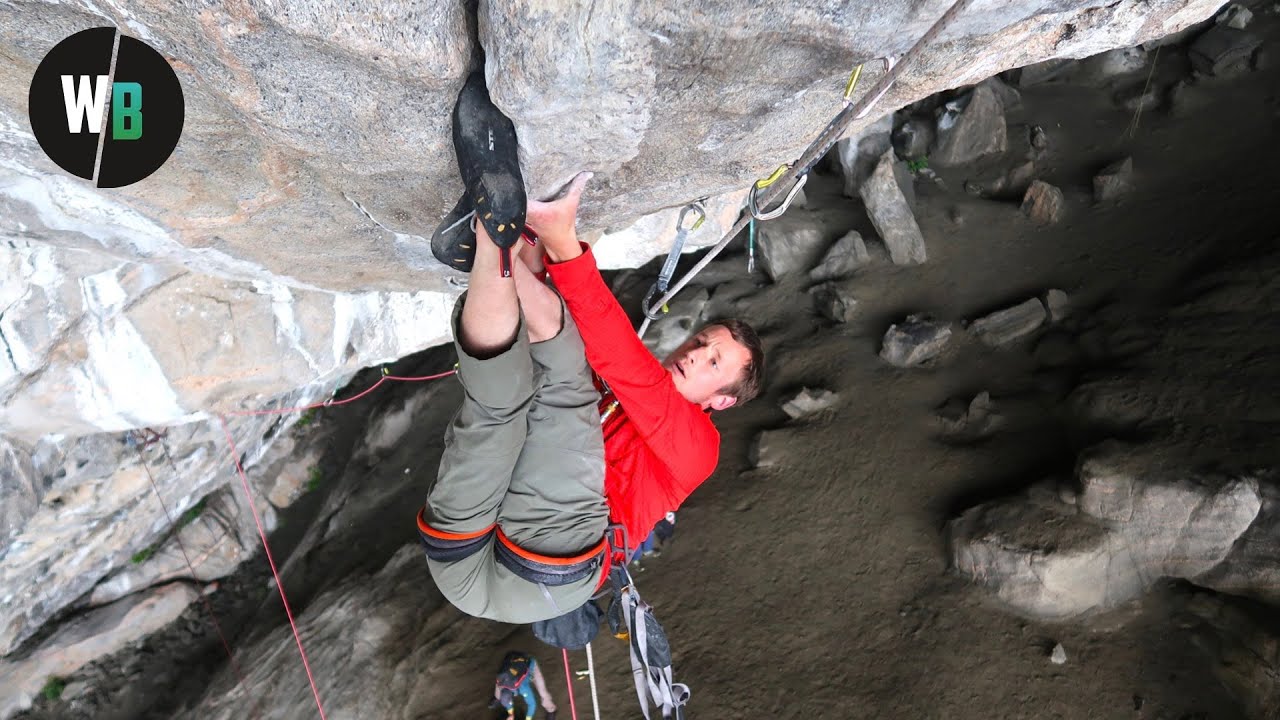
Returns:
point(752, 380)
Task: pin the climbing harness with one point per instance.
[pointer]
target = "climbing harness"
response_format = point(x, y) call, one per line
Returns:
point(550, 570)
point(765, 192)
point(651, 312)
point(545, 570)
point(444, 546)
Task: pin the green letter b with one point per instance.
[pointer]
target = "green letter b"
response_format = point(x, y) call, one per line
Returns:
point(126, 111)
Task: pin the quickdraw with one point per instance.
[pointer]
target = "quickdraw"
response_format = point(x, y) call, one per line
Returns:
point(653, 312)
point(765, 192)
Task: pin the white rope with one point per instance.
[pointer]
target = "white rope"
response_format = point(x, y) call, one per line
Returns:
point(591, 675)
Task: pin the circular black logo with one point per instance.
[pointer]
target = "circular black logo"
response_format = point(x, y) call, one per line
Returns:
point(112, 120)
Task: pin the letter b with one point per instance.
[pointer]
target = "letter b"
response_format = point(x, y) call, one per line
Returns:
point(126, 111)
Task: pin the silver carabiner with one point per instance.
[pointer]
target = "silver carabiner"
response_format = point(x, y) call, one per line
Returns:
point(695, 207)
point(786, 203)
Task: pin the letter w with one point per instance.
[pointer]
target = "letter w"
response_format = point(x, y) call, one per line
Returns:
point(80, 106)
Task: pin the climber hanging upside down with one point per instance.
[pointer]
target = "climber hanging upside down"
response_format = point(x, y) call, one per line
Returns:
point(538, 462)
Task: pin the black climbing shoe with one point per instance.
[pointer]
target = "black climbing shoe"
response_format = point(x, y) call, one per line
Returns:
point(454, 242)
point(488, 158)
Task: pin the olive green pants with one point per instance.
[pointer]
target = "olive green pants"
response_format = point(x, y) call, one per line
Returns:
point(525, 452)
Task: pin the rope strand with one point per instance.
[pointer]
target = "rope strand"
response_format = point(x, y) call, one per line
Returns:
point(335, 403)
point(573, 708)
point(819, 147)
point(244, 482)
point(235, 667)
point(591, 675)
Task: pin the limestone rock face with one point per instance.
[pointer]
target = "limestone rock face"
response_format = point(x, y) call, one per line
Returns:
point(100, 632)
point(87, 507)
point(284, 243)
point(381, 631)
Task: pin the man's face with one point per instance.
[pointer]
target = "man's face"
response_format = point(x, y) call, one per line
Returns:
point(705, 364)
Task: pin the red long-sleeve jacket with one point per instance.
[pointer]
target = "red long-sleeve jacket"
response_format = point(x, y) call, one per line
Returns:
point(658, 446)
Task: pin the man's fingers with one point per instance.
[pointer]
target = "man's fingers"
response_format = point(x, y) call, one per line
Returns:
point(578, 184)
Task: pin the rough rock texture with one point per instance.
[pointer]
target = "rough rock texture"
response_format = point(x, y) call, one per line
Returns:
point(1114, 63)
point(1058, 303)
point(1136, 518)
point(100, 632)
point(1011, 324)
point(1059, 655)
point(1222, 50)
point(915, 341)
point(860, 154)
point(87, 507)
point(912, 139)
point(104, 344)
point(835, 302)
point(970, 128)
point(1043, 72)
point(215, 536)
point(381, 640)
point(809, 402)
point(289, 224)
point(791, 244)
point(848, 254)
point(1241, 647)
point(971, 421)
point(286, 471)
point(1020, 177)
point(283, 246)
point(1113, 181)
point(768, 449)
point(891, 213)
point(1043, 203)
point(653, 235)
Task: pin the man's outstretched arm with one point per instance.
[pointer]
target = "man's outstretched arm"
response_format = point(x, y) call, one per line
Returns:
point(677, 429)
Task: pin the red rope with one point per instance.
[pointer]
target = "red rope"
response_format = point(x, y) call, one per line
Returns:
point(244, 481)
point(329, 403)
point(190, 566)
point(573, 708)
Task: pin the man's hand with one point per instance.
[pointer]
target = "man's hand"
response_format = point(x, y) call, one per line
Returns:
point(554, 221)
